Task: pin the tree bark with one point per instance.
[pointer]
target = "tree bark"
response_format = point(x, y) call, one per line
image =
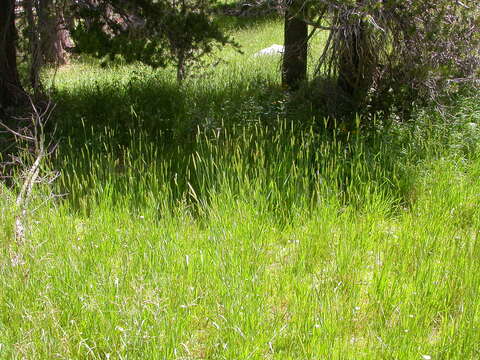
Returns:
point(294, 67)
point(11, 91)
point(34, 40)
point(53, 35)
point(355, 62)
point(181, 71)
point(62, 43)
point(350, 71)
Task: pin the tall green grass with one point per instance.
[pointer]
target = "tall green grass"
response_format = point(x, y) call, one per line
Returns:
point(207, 221)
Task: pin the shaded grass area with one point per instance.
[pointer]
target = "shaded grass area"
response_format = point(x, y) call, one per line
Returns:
point(142, 99)
point(213, 221)
point(240, 88)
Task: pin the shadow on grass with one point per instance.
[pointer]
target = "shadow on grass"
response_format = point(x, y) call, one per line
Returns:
point(163, 109)
point(112, 118)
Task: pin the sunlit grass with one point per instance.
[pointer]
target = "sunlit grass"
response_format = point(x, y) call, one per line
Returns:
point(204, 222)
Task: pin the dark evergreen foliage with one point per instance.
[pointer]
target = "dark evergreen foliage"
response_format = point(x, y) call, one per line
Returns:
point(153, 32)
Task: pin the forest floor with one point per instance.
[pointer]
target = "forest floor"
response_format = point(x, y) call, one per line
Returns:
point(213, 220)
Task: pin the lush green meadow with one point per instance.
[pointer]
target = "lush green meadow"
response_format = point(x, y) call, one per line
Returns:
point(220, 219)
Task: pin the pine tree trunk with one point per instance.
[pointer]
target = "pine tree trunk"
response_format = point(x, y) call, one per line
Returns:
point(181, 71)
point(349, 73)
point(34, 42)
point(294, 67)
point(11, 91)
point(63, 41)
point(355, 62)
point(54, 38)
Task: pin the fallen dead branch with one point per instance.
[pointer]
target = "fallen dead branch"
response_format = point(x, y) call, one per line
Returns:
point(31, 172)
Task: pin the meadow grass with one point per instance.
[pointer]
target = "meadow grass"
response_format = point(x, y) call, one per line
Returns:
point(207, 221)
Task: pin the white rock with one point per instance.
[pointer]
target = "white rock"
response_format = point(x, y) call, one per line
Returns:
point(272, 50)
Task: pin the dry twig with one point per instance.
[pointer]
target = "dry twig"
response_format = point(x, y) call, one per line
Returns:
point(34, 136)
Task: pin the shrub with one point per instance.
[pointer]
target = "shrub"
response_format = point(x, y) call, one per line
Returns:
point(392, 55)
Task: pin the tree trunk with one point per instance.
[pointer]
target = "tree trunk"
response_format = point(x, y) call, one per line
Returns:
point(54, 37)
point(349, 72)
point(355, 62)
point(11, 91)
point(34, 42)
point(294, 67)
point(181, 70)
point(62, 43)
